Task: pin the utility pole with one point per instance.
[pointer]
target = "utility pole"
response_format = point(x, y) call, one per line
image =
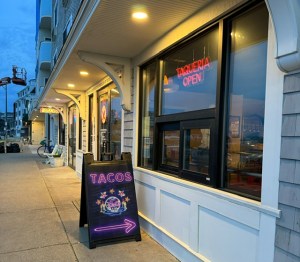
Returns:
point(3, 82)
point(5, 136)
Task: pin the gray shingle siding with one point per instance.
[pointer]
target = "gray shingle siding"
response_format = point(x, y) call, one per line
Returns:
point(296, 226)
point(287, 216)
point(289, 125)
point(289, 194)
point(297, 173)
point(297, 127)
point(283, 256)
point(287, 241)
point(291, 84)
point(287, 170)
point(290, 147)
point(282, 238)
point(291, 103)
point(294, 244)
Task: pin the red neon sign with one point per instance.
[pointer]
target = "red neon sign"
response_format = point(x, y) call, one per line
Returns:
point(193, 73)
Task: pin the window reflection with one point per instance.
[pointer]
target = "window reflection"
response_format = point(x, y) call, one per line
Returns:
point(247, 102)
point(196, 150)
point(149, 84)
point(170, 148)
point(190, 76)
point(115, 123)
point(103, 123)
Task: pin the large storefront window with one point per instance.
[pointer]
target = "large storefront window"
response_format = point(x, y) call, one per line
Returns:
point(245, 118)
point(203, 105)
point(188, 95)
point(149, 85)
point(190, 76)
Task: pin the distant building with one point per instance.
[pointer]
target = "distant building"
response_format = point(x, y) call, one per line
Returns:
point(22, 106)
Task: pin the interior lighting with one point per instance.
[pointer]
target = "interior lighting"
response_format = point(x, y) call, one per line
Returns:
point(83, 73)
point(71, 85)
point(57, 99)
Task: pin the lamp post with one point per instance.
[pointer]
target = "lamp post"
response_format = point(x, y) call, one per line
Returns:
point(5, 136)
point(3, 82)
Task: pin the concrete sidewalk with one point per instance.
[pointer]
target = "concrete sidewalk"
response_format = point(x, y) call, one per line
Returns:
point(39, 217)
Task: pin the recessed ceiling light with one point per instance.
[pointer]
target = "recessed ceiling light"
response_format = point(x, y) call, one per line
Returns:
point(71, 85)
point(84, 73)
point(139, 15)
point(57, 99)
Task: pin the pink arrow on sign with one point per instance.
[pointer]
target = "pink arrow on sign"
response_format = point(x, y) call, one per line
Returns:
point(128, 225)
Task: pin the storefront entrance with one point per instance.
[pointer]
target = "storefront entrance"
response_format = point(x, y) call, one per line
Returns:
point(110, 119)
point(72, 137)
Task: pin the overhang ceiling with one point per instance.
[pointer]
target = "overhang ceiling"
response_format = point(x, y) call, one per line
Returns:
point(111, 31)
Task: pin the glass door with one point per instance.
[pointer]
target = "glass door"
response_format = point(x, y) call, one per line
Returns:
point(110, 119)
point(72, 137)
point(103, 125)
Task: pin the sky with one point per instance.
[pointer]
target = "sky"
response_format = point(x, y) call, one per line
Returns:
point(17, 44)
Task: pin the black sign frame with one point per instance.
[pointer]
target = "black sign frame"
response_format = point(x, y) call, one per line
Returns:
point(108, 200)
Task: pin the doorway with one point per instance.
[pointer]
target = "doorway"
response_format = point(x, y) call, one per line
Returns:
point(72, 136)
point(110, 121)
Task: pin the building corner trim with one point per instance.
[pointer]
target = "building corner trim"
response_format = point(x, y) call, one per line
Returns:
point(285, 16)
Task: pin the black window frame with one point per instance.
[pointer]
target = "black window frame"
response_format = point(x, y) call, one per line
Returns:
point(91, 123)
point(80, 132)
point(207, 123)
point(215, 116)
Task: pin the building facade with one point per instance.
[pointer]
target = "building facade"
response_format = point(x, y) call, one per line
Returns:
point(205, 101)
point(26, 98)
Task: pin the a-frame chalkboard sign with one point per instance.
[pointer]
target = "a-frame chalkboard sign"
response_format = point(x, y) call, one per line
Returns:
point(108, 200)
